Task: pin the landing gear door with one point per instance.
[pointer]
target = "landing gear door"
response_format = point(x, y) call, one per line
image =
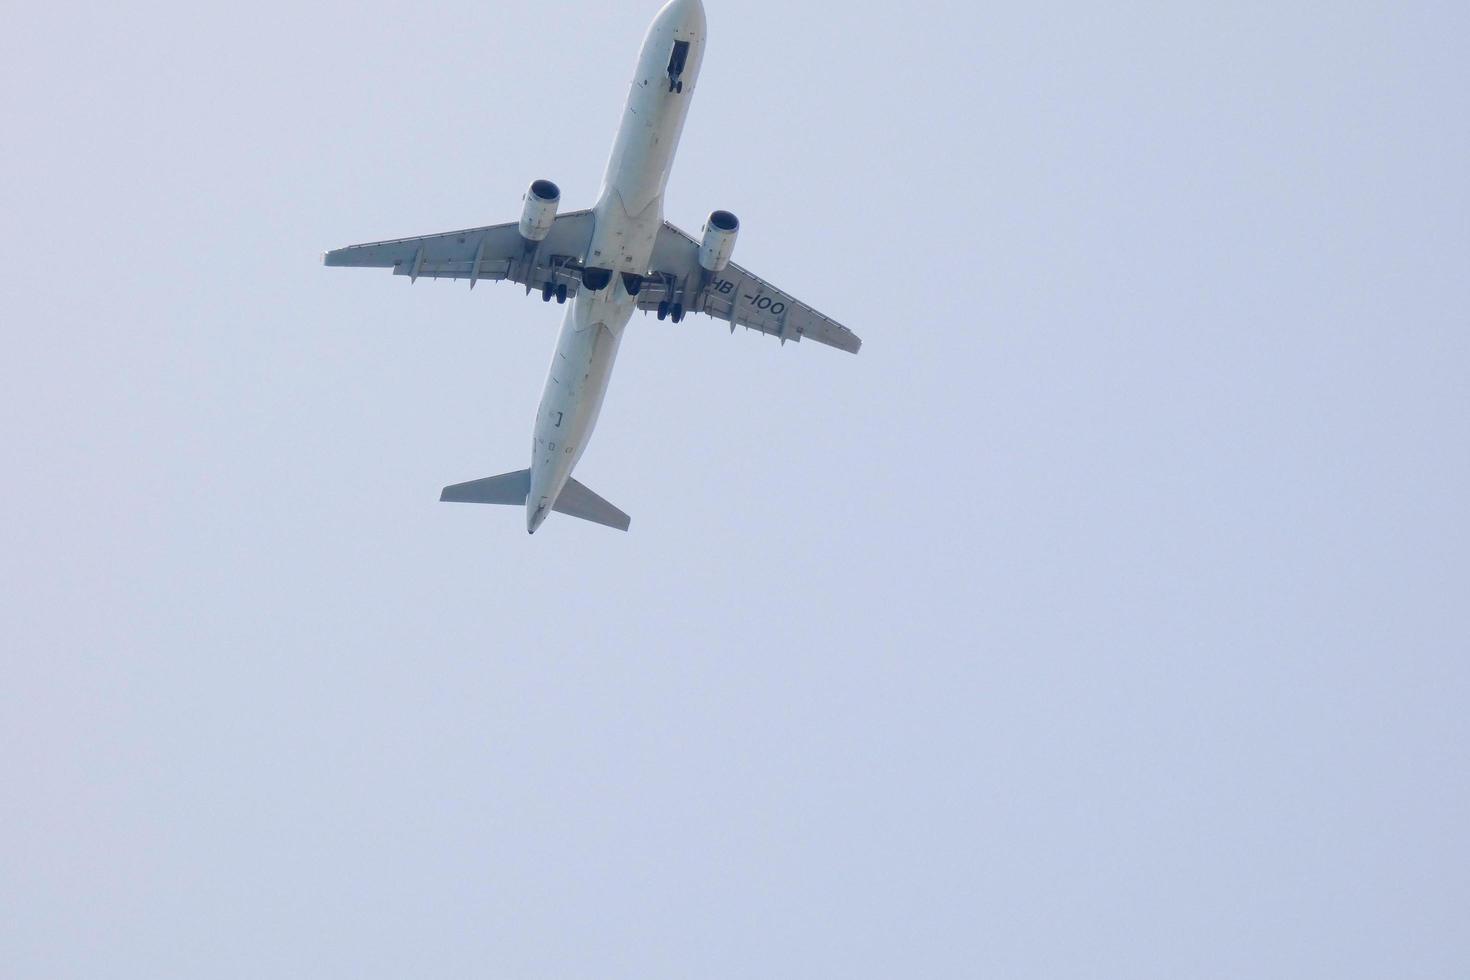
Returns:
point(677, 60)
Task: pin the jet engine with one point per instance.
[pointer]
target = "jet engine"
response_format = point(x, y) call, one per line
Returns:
point(719, 241)
point(540, 212)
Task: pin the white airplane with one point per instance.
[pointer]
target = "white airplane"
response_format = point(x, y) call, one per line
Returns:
point(618, 257)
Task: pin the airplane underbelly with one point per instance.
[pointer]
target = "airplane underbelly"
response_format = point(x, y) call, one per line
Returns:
point(575, 387)
point(630, 209)
point(628, 217)
point(623, 241)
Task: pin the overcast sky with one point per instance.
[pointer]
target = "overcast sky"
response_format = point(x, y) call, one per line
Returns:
point(1105, 617)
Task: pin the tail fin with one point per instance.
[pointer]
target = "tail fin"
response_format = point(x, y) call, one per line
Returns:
point(511, 488)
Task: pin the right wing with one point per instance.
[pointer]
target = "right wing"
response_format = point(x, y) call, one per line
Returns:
point(496, 253)
point(737, 296)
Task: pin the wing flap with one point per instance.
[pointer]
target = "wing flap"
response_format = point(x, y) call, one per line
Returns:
point(458, 269)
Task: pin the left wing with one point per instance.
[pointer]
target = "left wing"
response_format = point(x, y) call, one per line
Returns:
point(735, 295)
point(496, 252)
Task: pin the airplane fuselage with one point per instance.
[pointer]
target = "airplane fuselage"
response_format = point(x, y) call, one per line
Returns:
point(610, 260)
point(628, 216)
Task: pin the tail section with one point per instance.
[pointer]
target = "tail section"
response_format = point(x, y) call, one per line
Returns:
point(575, 499)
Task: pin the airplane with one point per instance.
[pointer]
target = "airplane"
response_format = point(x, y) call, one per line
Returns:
point(617, 257)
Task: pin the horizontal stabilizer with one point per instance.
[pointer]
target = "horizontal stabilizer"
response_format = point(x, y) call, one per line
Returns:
point(512, 489)
point(577, 501)
point(508, 488)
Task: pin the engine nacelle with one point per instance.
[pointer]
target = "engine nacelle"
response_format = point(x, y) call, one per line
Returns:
point(540, 212)
point(719, 241)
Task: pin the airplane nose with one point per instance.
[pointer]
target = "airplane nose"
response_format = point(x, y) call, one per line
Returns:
point(689, 13)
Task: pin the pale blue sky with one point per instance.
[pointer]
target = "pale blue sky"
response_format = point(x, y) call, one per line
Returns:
point(1106, 617)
